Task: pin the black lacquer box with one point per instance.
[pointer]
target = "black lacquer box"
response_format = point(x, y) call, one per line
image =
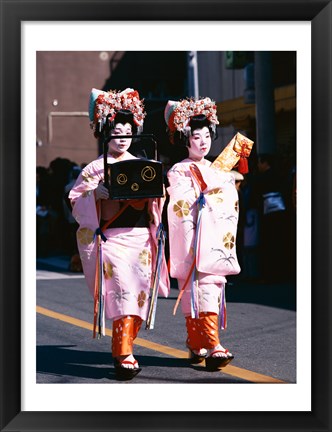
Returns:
point(135, 178)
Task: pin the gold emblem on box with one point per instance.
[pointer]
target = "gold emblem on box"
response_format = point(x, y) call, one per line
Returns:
point(134, 187)
point(148, 173)
point(122, 179)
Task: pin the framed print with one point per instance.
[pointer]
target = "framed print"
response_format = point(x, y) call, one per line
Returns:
point(169, 409)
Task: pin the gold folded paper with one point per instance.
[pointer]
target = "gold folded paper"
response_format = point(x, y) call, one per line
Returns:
point(239, 147)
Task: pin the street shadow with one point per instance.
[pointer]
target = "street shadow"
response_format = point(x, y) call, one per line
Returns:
point(169, 362)
point(65, 360)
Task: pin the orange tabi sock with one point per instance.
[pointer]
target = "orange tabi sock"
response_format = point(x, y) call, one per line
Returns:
point(125, 331)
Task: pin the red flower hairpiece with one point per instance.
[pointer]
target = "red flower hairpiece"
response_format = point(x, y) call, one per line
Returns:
point(107, 104)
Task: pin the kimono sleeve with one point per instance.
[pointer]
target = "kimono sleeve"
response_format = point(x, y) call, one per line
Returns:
point(82, 197)
point(216, 252)
point(86, 214)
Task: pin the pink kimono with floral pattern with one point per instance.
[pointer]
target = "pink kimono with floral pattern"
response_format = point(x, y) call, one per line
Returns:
point(215, 249)
point(128, 255)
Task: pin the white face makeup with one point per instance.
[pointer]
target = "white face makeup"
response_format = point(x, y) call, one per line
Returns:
point(118, 146)
point(200, 143)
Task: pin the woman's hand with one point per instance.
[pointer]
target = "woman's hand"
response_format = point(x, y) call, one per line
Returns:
point(101, 192)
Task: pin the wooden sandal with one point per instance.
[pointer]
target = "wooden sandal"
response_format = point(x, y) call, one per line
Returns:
point(123, 373)
point(216, 363)
point(195, 358)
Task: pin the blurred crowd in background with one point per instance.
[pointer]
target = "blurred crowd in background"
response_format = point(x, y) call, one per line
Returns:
point(56, 227)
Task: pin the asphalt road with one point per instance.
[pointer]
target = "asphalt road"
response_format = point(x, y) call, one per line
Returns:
point(261, 334)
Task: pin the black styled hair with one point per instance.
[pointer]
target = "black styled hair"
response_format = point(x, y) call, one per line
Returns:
point(196, 122)
point(123, 116)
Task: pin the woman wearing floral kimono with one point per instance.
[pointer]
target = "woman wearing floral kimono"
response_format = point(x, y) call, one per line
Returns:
point(202, 223)
point(117, 239)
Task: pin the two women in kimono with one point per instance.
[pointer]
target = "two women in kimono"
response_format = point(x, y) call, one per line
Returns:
point(118, 242)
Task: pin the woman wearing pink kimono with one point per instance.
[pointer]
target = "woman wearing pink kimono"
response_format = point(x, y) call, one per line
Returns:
point(117, 240)
point(202, 222)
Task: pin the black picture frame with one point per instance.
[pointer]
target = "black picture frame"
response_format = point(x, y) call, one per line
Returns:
point(319, 13)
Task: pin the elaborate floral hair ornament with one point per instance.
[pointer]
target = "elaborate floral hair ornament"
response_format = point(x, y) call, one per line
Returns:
point(178, 114)
point(104, 105)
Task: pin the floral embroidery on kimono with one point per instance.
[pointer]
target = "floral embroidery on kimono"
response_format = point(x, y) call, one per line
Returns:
point(215, 251)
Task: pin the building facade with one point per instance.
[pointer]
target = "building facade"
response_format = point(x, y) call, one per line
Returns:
point(65, 79)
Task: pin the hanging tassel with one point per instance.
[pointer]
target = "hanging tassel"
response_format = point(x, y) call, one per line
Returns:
point(154, 296)
point(243, 165)
point(222, 310)
point(243, 155)
point(184, 285)
point(96, 292)
point(194, 285)
point(101, 309)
